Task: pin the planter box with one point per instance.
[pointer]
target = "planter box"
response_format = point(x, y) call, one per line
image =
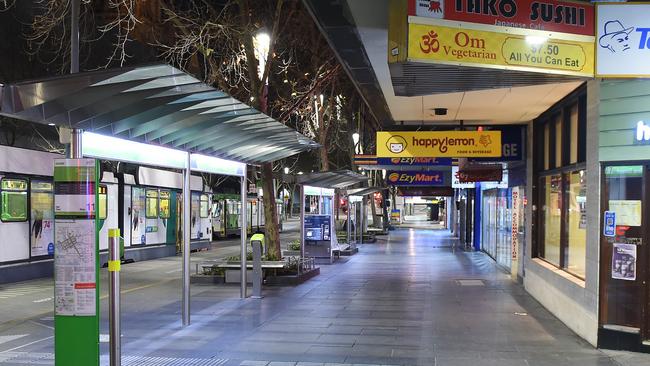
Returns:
point(291, 280)
point(206, 279)
point(290, 253)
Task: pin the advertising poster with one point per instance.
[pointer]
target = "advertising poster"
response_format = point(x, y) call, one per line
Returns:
point(42, 219)
point(624, 262)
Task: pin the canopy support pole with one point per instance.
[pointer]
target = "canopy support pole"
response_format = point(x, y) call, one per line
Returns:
point(74, 36)
point(187, 196)
point(244, 235)
point(302, 221)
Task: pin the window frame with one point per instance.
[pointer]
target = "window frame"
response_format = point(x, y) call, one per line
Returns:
point(27, 201)
point(146, 203)
point(543, 153)
point(169, 207)
point(99, 193)
point(207, 202)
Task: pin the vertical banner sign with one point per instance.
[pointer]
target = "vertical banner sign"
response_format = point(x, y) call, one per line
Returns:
point(76, 263)
point(515, 223)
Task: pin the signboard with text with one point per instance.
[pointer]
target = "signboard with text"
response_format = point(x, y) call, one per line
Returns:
point(623, 40)
point(415, 161)
point(424, 178)
point(469, 44)
point(459, 144)
point(548, 15)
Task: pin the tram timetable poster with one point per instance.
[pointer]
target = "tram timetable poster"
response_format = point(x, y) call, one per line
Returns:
point(624, 262)
point(74, 254)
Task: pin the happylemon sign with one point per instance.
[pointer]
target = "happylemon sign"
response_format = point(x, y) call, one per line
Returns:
point(453, 144)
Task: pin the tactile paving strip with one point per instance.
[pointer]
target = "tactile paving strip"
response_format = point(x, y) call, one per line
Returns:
point(31, 358)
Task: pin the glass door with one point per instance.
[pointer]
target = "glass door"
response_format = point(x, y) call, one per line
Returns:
point(623, 249)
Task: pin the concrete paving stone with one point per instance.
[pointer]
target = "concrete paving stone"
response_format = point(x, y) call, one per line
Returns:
point(280, 363)
point(254, 363)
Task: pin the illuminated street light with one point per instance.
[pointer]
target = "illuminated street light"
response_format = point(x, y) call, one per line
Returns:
point(355, 139)
point(383, 173)
point(286, 170)
point(261, 43)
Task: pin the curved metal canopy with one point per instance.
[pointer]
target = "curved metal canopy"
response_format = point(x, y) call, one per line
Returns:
point(331, 179)
point(156, 104)
point(364, 191)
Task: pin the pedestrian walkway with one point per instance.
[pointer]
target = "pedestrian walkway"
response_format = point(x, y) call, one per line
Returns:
point(409, 299)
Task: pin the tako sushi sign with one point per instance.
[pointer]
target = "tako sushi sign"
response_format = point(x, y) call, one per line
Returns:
point(548, 15)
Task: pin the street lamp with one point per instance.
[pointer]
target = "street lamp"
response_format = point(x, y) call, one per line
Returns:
point(383, 173)
point(261, 43)
point(355, 139)
point(286, 170)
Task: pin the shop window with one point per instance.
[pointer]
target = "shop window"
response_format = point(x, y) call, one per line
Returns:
point(151, 204)
point(103, 202)
point(552, 218)
point(558, 142)
point(164, 205)
point(576, 233)
point(574, 126)
point(204, 211)
point(560, 196)
point(14, 200)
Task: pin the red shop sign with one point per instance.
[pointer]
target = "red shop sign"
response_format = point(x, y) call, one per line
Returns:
point(480, 175)
point(548, 15)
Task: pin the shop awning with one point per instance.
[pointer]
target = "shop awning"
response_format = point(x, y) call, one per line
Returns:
point(156, 104)
point(331, 179)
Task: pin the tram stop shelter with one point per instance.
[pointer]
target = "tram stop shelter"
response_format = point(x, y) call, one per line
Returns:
point(318, 237)
point(358, 220)
point(157, 115)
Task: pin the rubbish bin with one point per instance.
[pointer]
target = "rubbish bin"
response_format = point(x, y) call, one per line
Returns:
point(259, 238)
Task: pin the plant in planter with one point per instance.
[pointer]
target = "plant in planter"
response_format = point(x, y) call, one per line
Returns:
point(294, 245)
point(215, 270)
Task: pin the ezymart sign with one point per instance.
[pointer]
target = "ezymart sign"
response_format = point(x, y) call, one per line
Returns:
point(623, 40)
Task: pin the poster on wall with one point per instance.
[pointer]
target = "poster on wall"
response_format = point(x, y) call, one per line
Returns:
point(628, 212)
point(624, 262)
point(622, 40)
point(42, 219)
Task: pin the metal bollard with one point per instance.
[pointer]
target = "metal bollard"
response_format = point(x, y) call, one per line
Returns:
point(257, 269)
point(114, 264)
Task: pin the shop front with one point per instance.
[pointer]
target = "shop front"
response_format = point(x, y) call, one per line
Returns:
point(624, 151)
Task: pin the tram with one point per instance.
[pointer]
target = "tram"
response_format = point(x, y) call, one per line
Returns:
point(226, 215)
point(147, 207)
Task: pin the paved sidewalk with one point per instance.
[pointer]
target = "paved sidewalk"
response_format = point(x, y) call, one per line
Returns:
point(409, 299)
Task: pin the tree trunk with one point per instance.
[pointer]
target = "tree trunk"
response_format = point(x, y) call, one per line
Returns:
point(272, 236)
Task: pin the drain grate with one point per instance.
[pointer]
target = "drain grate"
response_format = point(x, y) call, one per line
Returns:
point(470, 282)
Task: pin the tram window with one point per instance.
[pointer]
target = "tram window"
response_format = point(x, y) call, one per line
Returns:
point(103, 202)
point(164, 204)
point(205, 206)
point(14, 200)
point(151, 204)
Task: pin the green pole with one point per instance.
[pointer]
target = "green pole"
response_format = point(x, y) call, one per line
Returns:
point(76, 320)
